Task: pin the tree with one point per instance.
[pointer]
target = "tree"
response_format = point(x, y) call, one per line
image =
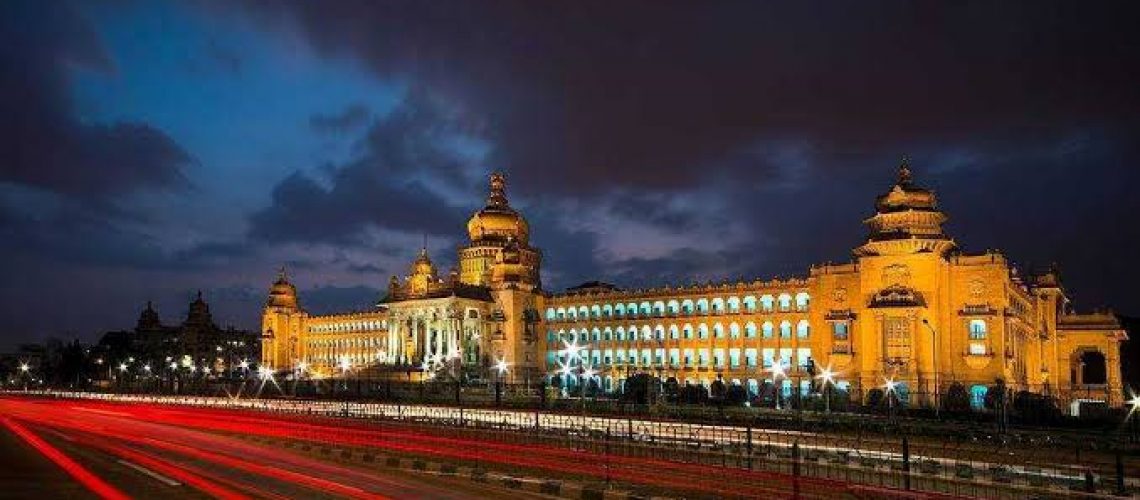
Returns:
point(718, 390)
point(672, 390)
point(995, 396)
point(957, 399)
point(694, 394)
point(736, 395)
point(875, 398)
point(640, 389)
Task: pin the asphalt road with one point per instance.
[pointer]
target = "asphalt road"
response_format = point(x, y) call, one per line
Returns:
point(107, 452)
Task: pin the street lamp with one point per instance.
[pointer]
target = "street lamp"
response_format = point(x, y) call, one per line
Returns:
point(889, 388)
point(828, 378)
point(345, 365)
point(777, 370)
point(934, 360)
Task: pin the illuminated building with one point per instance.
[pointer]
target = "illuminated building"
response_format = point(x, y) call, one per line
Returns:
point(483, 313)
point(911, 308)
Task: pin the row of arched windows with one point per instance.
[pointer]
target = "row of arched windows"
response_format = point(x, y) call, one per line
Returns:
point(369, 342)
point(349, 326)
point(766, 303)
point(767, 330)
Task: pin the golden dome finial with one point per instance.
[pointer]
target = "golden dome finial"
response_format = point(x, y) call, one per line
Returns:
point(498, 197)
point(904, 171)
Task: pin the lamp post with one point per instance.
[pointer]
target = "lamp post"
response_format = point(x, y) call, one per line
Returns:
point(889, 389)
point(501, 367)
point(345, 366)
point(934, 360)
point(24, 374)
point(828, 379)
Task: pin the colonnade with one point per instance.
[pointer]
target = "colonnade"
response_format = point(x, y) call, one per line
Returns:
point(415, 335)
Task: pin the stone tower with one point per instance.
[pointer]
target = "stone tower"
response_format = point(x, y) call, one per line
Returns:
point(280, 326)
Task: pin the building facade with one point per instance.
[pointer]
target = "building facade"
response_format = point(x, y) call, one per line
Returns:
point(197, 341)
point(477, 316)
point(911, 310)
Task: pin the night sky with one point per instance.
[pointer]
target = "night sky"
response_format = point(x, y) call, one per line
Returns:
point(151, 149)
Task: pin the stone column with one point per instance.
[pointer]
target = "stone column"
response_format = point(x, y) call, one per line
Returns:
point(422, 354)
point(438, 332)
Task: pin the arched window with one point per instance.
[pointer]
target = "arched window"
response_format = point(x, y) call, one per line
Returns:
point(674, 332)
point(702, 331)
point(750, 303)
point(608, 333)
point(803, 330)
point(978, 396)
point(597, 334)
point(978, 335)
point(718, 306)
point(631, 309)
point(620, 333)
point(673, 307)
point(659, 332)
point(646, 309)
point(1092, 369)
point(608, 311)
point(659, 308)
point(977, 329)
point(596, 311)
point(718, 331)
point(733, 330)
point(703, 306)
point(687, 306)
point(766, 302)
point(550, 314)
point(619, 311)
point(572, 314)
point(802, 300)
point(839, 330)
point(750, 330)
point(785, 302)
point(687, 330)
point(785, 330)
point(767, 329)
point(583, 313)
point(733, 304)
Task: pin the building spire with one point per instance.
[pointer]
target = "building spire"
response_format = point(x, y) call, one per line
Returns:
point(904, 171)
point(282, 275)
point(498, 197)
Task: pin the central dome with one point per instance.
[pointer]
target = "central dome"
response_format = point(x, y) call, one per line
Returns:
point(498, 222)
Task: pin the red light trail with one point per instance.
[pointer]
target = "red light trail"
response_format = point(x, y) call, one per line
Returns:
point(204, 437)
point(80, 473)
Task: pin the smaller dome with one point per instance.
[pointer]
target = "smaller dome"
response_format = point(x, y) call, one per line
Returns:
point(282, 293)
point(423, 265)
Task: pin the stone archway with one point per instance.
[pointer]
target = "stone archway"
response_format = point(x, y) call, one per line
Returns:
point(1090, 367)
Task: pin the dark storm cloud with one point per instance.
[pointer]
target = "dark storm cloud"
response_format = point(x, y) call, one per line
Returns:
point(385, 187)
point(584, 94)
point(353, 116)
point(45, 144)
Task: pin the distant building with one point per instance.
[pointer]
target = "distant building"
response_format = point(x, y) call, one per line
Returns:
point(197, 340)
